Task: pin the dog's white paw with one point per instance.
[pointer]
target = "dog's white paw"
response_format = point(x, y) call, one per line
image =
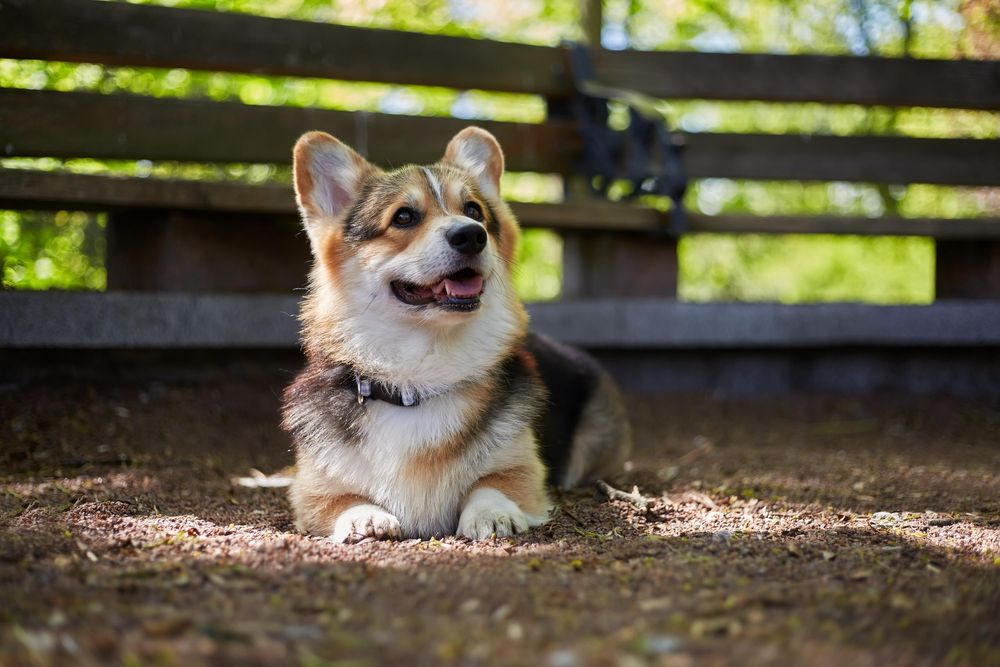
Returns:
point(356, 523)
point(489, 512)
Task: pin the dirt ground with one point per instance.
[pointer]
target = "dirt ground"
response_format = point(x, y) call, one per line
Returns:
point(824, 531)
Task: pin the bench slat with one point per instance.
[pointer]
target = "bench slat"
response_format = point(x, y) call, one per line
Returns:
point(53, 124)
point(762, 77)
point(59, 190)
point(78, 31)
point(137, 320)
point(47, 124)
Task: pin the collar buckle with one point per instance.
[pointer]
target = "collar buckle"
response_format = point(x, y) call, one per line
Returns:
point(363, 388)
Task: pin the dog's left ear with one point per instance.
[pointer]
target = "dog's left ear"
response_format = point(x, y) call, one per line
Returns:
point(476, 151)
point(328, 175)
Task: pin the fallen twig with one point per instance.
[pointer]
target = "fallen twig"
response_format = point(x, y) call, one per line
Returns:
point(701, 499)
point(259, 480)
point(702, 446)
point(565, 510)
point(636, 498)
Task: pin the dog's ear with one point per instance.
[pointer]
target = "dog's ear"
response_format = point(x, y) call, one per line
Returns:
point(328, 175)
point(476, 151)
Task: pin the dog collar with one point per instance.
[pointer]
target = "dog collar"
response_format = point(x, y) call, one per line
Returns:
point(374, 390)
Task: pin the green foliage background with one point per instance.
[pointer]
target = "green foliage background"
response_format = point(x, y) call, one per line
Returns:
point(65, 250)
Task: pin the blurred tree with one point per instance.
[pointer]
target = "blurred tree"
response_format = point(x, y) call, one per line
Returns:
point(43, 251)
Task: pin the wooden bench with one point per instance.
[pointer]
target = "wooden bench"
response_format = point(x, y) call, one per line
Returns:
point(178, 236)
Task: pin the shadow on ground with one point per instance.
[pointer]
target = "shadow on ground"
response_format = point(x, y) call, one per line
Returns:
point(817, 530)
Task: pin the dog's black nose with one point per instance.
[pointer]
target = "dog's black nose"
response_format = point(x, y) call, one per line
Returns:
point(467, 239)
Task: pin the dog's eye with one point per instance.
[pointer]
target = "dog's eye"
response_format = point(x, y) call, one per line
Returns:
point(473, 211)
point(405, 217)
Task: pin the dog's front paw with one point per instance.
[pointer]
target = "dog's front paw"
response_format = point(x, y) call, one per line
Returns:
point(356, 523)
point(489, 512)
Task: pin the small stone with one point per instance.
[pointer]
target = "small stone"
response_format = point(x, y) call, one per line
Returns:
point(501, 612)
point(659, 644)
point(627, 660)
point(166, 628)
point(941, 522)
point(668, 474)
point(36, 641)
point(563, 658)
point(655, 604)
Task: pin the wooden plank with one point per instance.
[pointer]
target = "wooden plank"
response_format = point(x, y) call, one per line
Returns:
point(47, 190)
point(969, 228)
point(873, 159)
point(615, 265)
point(77, 31)
point(24, 189)
point(178, 320)
point(53, 124)
point(967, 269)
point(48, 123)
point(904, 82)
point(198, 251)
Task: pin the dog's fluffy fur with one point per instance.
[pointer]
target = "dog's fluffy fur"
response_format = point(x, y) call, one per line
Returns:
point(500, 412)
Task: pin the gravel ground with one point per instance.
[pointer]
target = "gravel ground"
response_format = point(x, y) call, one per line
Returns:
point(826, 531)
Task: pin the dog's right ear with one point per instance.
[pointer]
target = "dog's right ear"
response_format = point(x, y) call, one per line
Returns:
point(328, 174)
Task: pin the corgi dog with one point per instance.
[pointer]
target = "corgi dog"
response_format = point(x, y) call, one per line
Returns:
point(425, 408)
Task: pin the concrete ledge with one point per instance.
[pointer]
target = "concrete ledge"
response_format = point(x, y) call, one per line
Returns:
point(132, 320)
point(972, 372)
point(124, 320)
point(661, 324)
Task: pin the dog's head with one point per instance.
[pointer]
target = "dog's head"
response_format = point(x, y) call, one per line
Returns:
point(428, 247)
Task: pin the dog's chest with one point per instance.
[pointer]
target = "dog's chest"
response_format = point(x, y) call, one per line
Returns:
point(416, 462)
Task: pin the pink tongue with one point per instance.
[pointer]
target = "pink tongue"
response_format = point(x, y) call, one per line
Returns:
point(465, 287)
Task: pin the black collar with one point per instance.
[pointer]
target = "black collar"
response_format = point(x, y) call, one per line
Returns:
point(373, 390)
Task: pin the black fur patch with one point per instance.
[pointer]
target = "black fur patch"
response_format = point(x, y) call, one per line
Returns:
point(359, 224)
point(492, 222)
point(571, 377)
point(381, 192)
point(320, 407)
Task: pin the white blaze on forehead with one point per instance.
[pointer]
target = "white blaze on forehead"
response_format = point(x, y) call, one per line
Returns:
point(435, 187)
point(414, 194)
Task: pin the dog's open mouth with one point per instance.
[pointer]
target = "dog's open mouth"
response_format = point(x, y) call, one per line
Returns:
point(459, 291)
